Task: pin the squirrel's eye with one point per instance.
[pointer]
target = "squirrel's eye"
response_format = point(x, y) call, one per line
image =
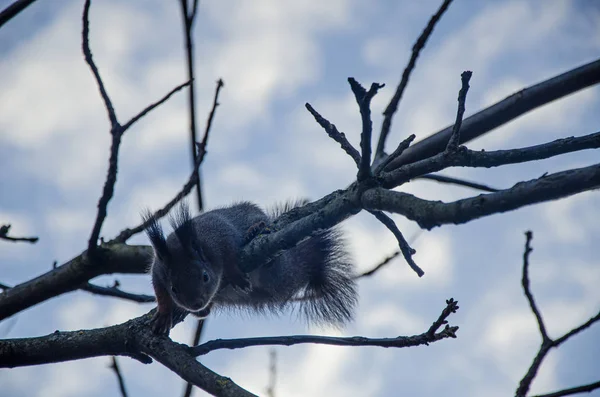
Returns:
point(205, 277)
point(174, 290)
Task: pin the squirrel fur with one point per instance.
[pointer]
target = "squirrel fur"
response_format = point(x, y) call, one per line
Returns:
point(196, 268)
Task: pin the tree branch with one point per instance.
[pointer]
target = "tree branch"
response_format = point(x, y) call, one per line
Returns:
point(13, 10)
point(115, 367)
point(398, 342)
point(574, 390)
point(465, 77)
point(504, 111)
point(392, 107)
point(4, 229)
point(114, 291)
point(429, 214)
point(456, 181)
point(133, 338)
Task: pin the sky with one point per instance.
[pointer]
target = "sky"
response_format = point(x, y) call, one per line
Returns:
point(275, 56)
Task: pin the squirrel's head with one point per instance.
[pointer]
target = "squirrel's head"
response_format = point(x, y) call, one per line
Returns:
point(181, 262)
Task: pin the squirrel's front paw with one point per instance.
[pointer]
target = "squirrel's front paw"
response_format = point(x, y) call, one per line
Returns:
point(161, 323)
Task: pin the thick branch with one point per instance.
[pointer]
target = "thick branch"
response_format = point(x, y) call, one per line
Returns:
point(504, 111)
point(429, 214)
point(133, 338)
point(113, 258)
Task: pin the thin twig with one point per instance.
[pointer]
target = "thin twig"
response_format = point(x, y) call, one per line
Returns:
point(334, 134)
point(399, 150)
point(4, 229)
point(189, 17)
point(189, 185)
point(90, 61)
point(504, 111)
point(526, 290)
point(363, 99)
point(547, 343)
point(115, 367)
point(13, 10)
point(405, 248)
point(381, 264)
point(272, 372)
point(465, 77)
point(114, 291)
point(574, 390)
point(392, 107)
point(189, 387)
point(398, 342)
point(152, 106)
point(460, 182)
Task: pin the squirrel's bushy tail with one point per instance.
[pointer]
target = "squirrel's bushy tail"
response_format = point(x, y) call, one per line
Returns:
point(322, 264)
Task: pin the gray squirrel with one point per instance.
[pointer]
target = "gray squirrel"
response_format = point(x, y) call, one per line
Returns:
point(196, 268)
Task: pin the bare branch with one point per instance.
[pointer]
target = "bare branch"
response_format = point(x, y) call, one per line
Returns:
point(115, 367)
point(189, 185)
point(189, 387)
point(334, 134)
point(392, 107)
point(574, 390)
point(152, 106)
point(504, 111)
point(525, 284)
point(398, 342)
point(13, 10)
point(272, 372)
point(405, 248)
point(470, 158)
point(465, 77)
point(133, 338)
point(459, 182)
point(114, 291)
point(381, 264)
point(399, 150)
point(429, 214)
point(4, 229)
point(113, 258)
point(188, 23)
point(363, 99)
point(87, 53)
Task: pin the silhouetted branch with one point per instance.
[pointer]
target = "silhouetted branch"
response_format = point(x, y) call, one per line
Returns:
point(429, 214)
point(574, 390)
point(13, 10)
point(114, 291)
point(465, 77)
point(459, 182)
point(547, 342)
point(363, 99)
point(189, 185)
point(398, 342)
point(115, 367)
point(405, 248)
point(392, 107)
point(189, 387)
point(189, 15)
point(381, 264)
point(334, 134)
point(4, 229)
point(504, 111)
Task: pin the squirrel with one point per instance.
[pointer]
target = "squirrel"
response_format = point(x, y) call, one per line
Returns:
point(196, 268)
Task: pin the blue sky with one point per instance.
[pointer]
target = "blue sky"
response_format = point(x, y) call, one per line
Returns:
point(274, 56)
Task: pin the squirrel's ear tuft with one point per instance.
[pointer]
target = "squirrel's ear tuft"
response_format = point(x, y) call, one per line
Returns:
point(155, 234)
point(181, 221)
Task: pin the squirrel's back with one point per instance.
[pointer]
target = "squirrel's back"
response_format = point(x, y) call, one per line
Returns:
point(316, 274)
